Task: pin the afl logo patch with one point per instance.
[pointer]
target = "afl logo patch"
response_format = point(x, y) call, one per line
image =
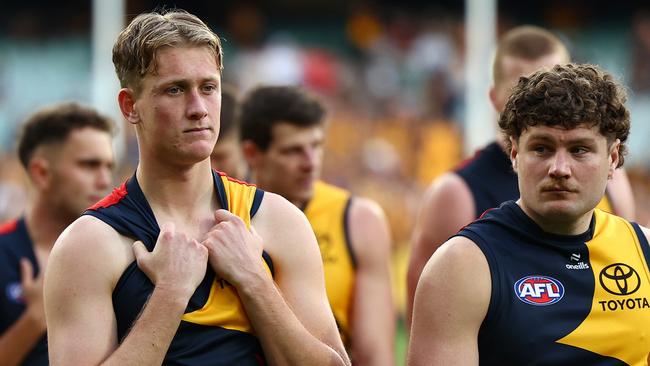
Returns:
point(539, 290)
point(14, 292)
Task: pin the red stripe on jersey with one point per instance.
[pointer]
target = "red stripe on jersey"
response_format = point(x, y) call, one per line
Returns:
point(235, 180)
point(113, 198)
point(8, 226)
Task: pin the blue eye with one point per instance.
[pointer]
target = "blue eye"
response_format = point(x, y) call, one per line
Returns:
point(209, 88)
point(173, 90)
point(579, 150)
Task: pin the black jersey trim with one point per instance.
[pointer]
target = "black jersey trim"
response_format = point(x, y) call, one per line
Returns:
point(643, 242)
point(346, 233)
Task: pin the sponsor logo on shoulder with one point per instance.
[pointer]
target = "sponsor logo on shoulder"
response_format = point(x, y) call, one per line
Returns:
point(539, 290)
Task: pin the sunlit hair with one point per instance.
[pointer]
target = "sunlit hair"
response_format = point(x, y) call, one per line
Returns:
point(568, 96)
point(528, 43)
point(134, 52)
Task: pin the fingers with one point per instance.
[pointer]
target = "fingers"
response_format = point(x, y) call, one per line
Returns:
point(26, 272)
point(139, 251)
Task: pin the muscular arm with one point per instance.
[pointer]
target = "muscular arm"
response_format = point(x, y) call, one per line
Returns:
point(619, 192)
point(373, 314)
point(291, 315)
point(84, 267)
point(447, 207)
point(451, 302)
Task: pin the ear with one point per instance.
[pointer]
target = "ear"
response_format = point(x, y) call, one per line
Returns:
point(126, 101)
point(39, 170)
point(494, 99)
point(252, 153)
point(614, 157)
point(514, 151)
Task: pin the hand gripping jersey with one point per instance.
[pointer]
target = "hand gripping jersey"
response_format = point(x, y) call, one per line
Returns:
point(215, 329)
point(327, 212)
point(492, 181)
point(563, 300)
point(15, 244)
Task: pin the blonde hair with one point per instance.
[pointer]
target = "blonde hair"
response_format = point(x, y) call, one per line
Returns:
point(526, 42)
point(134, 52)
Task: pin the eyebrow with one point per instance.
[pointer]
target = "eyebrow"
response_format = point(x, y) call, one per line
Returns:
point(547, 138)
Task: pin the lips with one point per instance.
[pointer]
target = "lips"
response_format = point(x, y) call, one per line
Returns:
point(198, 129)
point(557, 190)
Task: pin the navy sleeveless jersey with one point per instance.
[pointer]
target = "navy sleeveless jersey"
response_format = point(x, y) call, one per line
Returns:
point(490, 178)
point(214, 329)
point(563, 300)
point(15, 244)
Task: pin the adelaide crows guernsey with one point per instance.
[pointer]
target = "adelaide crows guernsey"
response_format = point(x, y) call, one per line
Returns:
point(490, 178)
point(214, 329)
point(15, 244)
point(563, 300)
point(327, 212)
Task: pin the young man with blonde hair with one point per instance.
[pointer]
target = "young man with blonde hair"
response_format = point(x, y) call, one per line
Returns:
point(181, 265)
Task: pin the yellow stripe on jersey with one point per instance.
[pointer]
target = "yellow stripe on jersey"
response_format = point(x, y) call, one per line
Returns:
point(223, 307)
point(618, 324)
point(326, 212)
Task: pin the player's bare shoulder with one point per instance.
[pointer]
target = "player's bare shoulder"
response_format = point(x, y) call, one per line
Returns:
point(95, 243)
point(282, 226)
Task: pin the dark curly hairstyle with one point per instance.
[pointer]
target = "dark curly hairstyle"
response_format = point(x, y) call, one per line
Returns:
point(568, 96)
point(267, 106)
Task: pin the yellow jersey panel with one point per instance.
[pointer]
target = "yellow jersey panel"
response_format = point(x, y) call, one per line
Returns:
point(327, 214)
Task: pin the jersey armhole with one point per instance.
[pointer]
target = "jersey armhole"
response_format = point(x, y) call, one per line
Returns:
point(257, 201)
point(495, 291)
point(346, 233)
point(643, 243)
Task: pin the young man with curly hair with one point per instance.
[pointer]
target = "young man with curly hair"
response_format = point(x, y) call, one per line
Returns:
point(548, 279)
point(486, 180)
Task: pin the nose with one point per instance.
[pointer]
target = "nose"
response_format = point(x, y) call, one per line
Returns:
point(560, 165)
point(104, 178)
point(196, 106)
point(310, 160)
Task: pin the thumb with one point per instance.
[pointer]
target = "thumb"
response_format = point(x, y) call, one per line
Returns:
point(139, 251)
point(223, 215)
point(26, 272)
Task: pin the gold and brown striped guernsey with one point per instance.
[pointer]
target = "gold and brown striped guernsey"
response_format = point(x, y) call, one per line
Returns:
point(327, 212)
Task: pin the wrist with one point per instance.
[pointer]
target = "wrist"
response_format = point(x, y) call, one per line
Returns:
point(254, 283)
point(36, 317)
point(174, 294)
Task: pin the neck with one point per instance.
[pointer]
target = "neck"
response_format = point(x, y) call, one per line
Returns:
point(45, 223)
point(557, 224)
point(177, 190)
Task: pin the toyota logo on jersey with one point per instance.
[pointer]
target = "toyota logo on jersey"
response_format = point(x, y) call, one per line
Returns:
point(539, 290)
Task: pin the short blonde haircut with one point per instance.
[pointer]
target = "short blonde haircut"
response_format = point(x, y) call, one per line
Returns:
point(134, 52)
point(526, 42)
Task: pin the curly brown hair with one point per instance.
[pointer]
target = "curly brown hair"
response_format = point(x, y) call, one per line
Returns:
point(568, 96)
